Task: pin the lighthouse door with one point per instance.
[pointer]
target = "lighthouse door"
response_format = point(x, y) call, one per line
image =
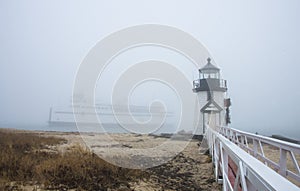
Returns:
point(212, 120)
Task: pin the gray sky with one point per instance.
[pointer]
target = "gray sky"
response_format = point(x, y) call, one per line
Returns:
point(256, 44)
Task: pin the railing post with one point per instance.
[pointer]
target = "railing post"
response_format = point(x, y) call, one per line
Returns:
point(243, 180)
point(282, 162)
point(246, 141)
point(224, 174)
point(255, 145)
point(216, 160)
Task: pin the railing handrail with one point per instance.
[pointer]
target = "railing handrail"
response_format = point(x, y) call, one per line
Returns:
point(242, 138)
point(251, 173)
point(223, 83)
point(198, 80)
point(267, 139)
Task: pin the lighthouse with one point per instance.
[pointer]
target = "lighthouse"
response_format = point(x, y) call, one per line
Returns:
point(212, 98)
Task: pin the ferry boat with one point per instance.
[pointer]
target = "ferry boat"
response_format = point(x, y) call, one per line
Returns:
point(106, 113)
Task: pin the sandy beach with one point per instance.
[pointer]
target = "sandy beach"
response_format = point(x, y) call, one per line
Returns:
point(186, 170)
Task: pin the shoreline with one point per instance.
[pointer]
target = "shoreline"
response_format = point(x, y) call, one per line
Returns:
point(187, 170)
point(290, 134)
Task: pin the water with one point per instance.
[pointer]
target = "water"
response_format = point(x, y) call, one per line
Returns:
point(286, 131)
point(291, 132)
point(109, 128)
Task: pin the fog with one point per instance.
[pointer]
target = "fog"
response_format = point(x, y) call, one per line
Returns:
point(255, 43)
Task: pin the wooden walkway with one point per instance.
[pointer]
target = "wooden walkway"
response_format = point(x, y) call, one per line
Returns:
point(241, 164)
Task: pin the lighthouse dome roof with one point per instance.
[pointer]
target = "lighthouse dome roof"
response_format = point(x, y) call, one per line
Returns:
point(209, 67)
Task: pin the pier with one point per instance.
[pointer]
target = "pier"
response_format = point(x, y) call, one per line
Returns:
point(240, 163)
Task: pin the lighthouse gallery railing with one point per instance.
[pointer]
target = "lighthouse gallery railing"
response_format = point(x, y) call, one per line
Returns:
point(249, 173)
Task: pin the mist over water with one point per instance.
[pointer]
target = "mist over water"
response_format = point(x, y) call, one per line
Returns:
point(291, 132)
point(256, 45)
point(109, 128)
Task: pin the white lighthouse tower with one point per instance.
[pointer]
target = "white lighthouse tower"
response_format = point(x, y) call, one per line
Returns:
point(211, 93)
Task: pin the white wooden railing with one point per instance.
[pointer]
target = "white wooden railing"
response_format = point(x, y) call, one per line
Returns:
point(239, 170)
point(254, 144)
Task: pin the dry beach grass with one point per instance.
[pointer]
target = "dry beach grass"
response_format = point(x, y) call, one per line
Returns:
point(61, 161)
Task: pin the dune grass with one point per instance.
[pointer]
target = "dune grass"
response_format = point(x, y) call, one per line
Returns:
point(24, 158)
